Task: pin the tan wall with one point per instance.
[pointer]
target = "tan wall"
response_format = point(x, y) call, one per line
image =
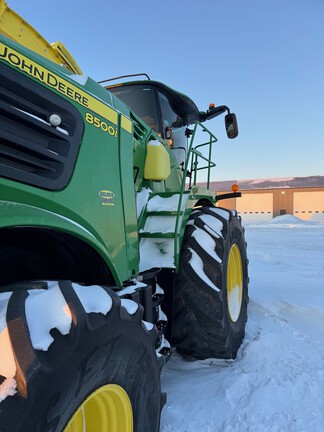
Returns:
point(227, 203)
point(304, 203)
point(308, 205)
point(255, 206)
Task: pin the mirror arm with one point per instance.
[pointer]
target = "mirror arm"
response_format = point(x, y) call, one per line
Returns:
point(214, 112)
point(202, 116)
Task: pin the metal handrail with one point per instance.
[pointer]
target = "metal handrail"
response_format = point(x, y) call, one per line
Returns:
point(192, 158)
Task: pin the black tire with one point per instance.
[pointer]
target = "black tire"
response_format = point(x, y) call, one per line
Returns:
point(202, 326)
point(116, 348)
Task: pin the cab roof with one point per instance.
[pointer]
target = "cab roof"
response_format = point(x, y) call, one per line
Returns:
point(185, 107)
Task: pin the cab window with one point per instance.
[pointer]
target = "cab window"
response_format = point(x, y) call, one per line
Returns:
point(172, 129)
point(142, 100)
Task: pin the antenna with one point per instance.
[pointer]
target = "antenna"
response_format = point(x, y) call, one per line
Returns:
point(124, 76)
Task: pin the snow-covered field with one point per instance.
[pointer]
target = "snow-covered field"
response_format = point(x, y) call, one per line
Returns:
point(277, 381)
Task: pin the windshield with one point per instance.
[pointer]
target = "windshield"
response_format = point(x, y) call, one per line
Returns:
point(142, 100)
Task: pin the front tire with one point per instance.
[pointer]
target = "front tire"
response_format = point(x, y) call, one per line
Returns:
point(102, 375)
point(211, 293)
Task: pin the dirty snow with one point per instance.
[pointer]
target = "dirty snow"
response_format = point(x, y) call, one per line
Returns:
point(277, 382)
point(156, 252)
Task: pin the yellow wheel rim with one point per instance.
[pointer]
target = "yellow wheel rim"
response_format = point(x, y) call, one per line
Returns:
point(234, 283)
point(106, 409)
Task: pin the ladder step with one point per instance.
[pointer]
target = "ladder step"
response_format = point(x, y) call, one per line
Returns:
point(164, 213)
point(157, 235)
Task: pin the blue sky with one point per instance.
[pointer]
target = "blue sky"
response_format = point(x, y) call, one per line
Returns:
point(264, 59)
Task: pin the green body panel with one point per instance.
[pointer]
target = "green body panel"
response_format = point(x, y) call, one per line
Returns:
point(98, 168)
point(26, 215)
point(98, 204)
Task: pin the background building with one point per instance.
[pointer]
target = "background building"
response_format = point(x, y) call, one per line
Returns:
point(264, 199)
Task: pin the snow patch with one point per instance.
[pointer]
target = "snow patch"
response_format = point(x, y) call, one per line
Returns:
point(142, 199)
point(272, 180)
point(214, 224)
point(149, 326)
point(197, 265)
point(223, 213)
point(129, 305)
point(286, 221)
point(156, 253)
point(42, 319)
point(206, 242)
point(131, 289)
point(292, 221)
point(158, 203)
point(161, 224)
point(158, 289)
point(161, 315)
point(94, 298)
point(164, 344)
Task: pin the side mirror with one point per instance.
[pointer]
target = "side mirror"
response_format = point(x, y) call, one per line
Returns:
point(168, 133)
point(231, 125)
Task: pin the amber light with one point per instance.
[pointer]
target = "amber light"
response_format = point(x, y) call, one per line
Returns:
point(235, 188)
point(211, 106)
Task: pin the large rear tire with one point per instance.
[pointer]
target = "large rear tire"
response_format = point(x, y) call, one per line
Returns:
point(211, 293)
point(102, 375)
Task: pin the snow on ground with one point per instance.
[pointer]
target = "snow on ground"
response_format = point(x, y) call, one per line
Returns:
point(277, 382)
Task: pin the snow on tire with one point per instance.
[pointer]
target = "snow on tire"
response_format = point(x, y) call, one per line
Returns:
point(211, 293)
point(101, 354)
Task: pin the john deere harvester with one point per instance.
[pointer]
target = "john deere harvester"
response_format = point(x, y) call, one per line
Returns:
point(110, 251)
